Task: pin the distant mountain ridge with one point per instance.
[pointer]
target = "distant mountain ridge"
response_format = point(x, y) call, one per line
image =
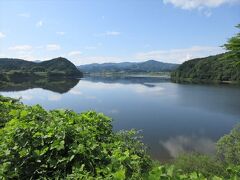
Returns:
point(147, 66)
point(57, 66)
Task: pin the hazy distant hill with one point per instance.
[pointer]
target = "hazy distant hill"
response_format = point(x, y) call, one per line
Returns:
point(147, 66)
point(221, 67)
point(22, 68)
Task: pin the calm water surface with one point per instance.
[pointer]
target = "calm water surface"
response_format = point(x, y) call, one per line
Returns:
point(174, 118)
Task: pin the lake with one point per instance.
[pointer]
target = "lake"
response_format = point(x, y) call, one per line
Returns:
point(173, 118)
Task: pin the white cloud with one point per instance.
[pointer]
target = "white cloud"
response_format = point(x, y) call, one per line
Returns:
point(179, 55)
point(53, 47)
point(60, 33)
point(109, 33)
point(196, 4)
point(96, 59)
point(74, 53)
point(112, 33)
point(2, 35)
point(21, 48)
point(25, 15)
point(39, 24)
point(170, 56)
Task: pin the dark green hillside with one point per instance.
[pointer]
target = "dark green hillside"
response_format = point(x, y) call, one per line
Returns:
point(14, 69)
point(8, 64)
point(220, 68)
point(213, 68)
point(62, 65)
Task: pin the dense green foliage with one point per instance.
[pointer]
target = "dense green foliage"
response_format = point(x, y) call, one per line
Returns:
point(229, 147)
point(233, 45)
point(36, 143)
point(17, 69)
point(213, 68)
point(225, 162)
point(129, 67)
point(203, 164)
point(62, 144)
point(219, 68)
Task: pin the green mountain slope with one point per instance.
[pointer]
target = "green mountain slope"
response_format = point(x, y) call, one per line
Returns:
point(219, 68)
point(18, 68)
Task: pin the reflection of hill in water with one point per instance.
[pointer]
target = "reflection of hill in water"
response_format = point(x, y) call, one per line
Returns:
point(144, 80)
point(56, 85)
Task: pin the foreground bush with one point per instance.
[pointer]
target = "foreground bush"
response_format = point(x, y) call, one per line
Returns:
point(208, 166)
point(228, 147)
point(62, 144)
point(36, 143)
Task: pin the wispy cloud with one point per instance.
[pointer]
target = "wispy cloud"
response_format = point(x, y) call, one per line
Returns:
point(20, 48)
point(60, 33)
point(179, 55)
point(203, 6)
point(53, 47)
point(39, 24)
point(109, 33)
point(74, 53)
point(112, 33)
point(2, 35)
point(25, 15)
point(170, 55)
point(196, 4)
point(95, 59)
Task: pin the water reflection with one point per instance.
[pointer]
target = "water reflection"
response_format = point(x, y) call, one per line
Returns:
point(144, 80)
point(174, 118)
point(182, 144)
point(54, 85)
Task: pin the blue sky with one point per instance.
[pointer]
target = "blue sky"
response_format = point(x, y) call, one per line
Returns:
point(87, 31)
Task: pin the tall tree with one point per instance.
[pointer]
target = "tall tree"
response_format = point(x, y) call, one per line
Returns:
point(233, 45)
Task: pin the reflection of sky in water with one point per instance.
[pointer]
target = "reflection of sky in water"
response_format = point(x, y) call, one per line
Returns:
point(180, 144)
point(174, 118)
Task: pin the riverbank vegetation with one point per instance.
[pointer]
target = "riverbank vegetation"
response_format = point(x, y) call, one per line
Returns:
point(218, 68)
point(20, 70)
point(62, 144)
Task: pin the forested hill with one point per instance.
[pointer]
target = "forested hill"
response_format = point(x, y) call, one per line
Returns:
point(221, 67)
point(57, 66)
point(147, 66)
